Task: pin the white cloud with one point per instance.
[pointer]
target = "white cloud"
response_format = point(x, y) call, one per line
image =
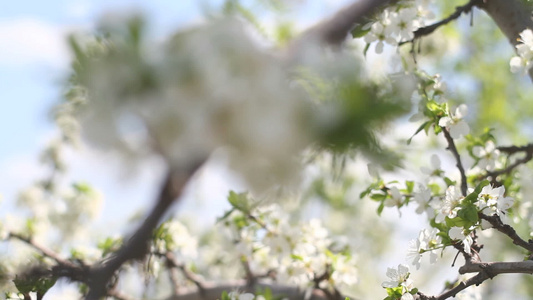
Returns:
point(27, 41)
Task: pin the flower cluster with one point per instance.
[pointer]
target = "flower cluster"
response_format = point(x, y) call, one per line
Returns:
point(494, 200)
point(173, 236)
point(232, 94)
point(434, 109)
point(453, 216)
point(397, 25)
point(298, 254)
point(522, 62)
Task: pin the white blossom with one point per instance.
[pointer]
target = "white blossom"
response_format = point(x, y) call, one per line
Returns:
point(395, 199)
point(399, 277)
point(495, 199)
point(211, 92)
point(454, 122)
point(450, 205)
point(427, 241)
point(457, 233)
point(345, 272)
point(381, 33)
point(423, 198)
point(488, 156)
point(404, 23)
point(522, 62)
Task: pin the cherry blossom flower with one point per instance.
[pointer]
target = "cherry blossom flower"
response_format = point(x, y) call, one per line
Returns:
point(404, 23)
point(395, 198)
point(457, 233)
point(423, 198)
point(399, 277)
point(454, 122)
point(488, 156)
point(381, 33)
point(427, 242)
point(522, 62)
point(450, 206)
point(494, 198)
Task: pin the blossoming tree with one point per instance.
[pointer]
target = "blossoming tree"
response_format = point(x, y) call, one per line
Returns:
point(294, 117)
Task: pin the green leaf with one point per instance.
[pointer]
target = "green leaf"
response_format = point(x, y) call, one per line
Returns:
point(365, 192)
point(378, 197)
point(39, 285)
point(297, 257)
point(109, 245)
point(420, 128)
point(472, 197)
point(366, 49)
point(82, 188)
point(449, 182)
point(239, 201)
point(469, 213)
point(359, 31)
point(455, 222)
point(226, 215)
point(410, 186)
point(380, 208)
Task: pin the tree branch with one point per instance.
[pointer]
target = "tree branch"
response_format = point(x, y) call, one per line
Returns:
point(495, 268)
point(511, 16)
point(137, 246)
point(334, 30)
point(172, 262)
point(476, 280)
point(510, 150)
point(453, 150)
point(44, 251)
point(508, 230)
point(459, 10)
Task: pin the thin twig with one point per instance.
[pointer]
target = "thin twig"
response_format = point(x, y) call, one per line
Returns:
point(511, 150)
point(508, 230)
point(459, 10)
point(459, 164)
point(173, 263)
point(44, 251)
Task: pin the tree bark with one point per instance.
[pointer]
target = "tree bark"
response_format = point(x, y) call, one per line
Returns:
point(511, 16)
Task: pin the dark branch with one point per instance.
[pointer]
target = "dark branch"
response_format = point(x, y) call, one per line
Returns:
point(453, 149)
point(508, 230)
point(137, 246)
point(459, 10)
point(510, 150)
point(44, 251)
point(334, 30)
point(495, 268)
point(476, 280)
point(173, 263)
